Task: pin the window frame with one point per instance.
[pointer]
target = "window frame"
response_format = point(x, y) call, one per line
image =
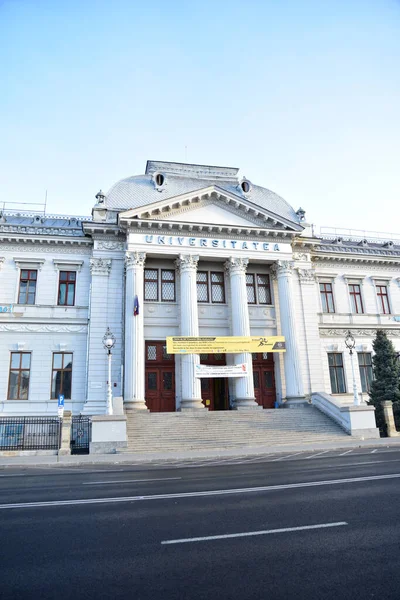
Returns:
point(363, 370)
point(62, 370)
point(147, 280)
point(380, 297)
point(218, 285)
point(67, 283)
point(334, 369)
point(206, 283)
point(27, 280)
point(255, 286)
point(353, 299)
point(162, 281)
point(19, 370)
point(324, 293)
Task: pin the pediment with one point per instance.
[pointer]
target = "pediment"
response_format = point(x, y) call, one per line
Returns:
point(210, 206)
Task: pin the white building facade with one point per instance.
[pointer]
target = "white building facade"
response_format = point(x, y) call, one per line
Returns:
point(186, 250)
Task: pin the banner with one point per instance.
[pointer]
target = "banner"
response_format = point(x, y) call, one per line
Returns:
point(224, 345)
point(223, 371)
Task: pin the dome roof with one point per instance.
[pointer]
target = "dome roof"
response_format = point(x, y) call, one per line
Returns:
point(140, 190)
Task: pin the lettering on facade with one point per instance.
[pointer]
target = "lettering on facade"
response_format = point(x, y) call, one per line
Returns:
point(7, 309)
point(170, 240)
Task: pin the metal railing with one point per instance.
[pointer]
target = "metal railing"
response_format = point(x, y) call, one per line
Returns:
point(358, 234)
point(30, 433)
point(80, 434)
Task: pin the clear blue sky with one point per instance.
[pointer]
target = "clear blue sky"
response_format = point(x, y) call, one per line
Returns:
point(302, 95)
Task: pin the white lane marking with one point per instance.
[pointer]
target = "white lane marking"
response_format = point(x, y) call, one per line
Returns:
point(286, 457)
point(348, 452)
point(373, 451)
point(129, 481)
point(253, 533)
point(318, 454)
point(267, 488)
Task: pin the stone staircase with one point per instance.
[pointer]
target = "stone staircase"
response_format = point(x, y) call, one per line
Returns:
point(203, 430)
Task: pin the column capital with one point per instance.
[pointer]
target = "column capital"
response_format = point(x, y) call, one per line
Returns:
point(282, 267)
point(236, 265)
point(187, 262)
point(306, 276)
point(100, 266)
point(135, 259)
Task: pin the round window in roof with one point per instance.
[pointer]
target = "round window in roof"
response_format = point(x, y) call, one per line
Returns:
point(246, 186)
point(159, 179)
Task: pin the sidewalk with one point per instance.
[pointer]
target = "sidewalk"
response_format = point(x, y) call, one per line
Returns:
point(168, 457)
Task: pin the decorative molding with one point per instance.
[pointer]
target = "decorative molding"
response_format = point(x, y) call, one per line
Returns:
point(301, 256)
point(330, 262)
point(29, 263)
point(334, 248)
point(64, 263)
point(135, 259)
point(307, 276)
point(108, 245)
point(43, 328)
point(281, 268)
point(26, 230)
point(358, 332)
point(100, 266)
point(17, 247)
point(236, 265)
point(187, 262)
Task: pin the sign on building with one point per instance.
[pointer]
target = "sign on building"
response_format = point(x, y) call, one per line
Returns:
point(224, 345)
point(221, 371)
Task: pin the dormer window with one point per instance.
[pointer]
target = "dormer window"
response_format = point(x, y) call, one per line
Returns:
point(159, 181)
point(246, 186)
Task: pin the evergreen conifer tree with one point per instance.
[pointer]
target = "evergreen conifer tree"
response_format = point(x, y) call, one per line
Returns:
point(386, 382)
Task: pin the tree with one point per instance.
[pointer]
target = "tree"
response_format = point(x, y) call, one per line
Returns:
point(386, 382)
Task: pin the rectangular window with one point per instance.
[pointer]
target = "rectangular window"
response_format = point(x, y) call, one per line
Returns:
point(263, 289)
point(151, 285)
point(18, 382)
point(251, 288)
point(336, 372)
point(66, 288)
point(167, 285)
point(355, 298)
point(27, 286)
point(383, 298)
point(326, 292)
point(202, 286)
point(217, 288)
point(61, 377)
point(366, 372)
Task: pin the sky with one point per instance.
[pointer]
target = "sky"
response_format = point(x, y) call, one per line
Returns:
point(302, 95)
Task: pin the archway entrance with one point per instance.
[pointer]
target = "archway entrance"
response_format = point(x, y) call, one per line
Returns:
point(214, 390)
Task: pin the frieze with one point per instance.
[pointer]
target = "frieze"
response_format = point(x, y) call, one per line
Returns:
point(25, 230)
point(341, 263)
point(356, 250)
point(306, 276)
point(357, 332)
point(106, 245)
point(53, 249)
point(42, 328)
point(100, 266)
point(301, 256)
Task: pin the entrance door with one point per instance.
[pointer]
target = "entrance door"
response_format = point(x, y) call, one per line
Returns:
point(264, 379)
point(159, 378)
point(214, 390)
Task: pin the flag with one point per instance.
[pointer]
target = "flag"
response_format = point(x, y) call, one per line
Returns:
point(136, 306)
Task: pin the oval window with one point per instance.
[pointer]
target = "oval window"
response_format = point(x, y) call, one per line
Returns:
point(245, 186)
point(159, 179)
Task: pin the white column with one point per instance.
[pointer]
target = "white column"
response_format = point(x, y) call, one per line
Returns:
point(244, 386)
point(283, 270)
point(191, 388)
point(134, 332)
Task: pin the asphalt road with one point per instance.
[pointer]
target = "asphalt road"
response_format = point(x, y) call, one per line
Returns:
point(307, 526)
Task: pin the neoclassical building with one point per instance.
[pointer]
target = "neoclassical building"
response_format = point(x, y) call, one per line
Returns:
point(186, 250)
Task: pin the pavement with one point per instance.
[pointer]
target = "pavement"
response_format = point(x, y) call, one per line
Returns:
point(314, 526)
point(26, 459)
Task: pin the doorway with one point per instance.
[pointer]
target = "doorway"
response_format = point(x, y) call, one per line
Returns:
point(160, 378)
point(214, 390)
point(264, 379)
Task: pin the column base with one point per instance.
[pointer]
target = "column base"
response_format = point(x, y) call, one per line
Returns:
point(130, 405)
point(246, 404)
point(192, 404)
point(295, 402)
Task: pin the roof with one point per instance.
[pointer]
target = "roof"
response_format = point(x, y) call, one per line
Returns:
point(181, 178)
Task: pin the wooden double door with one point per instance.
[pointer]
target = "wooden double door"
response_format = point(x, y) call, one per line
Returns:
point(214, 390)
point(264, 379)
point(159, 377)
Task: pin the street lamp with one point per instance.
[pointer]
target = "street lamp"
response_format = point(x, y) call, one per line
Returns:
point(350, 344)
point(109, 340)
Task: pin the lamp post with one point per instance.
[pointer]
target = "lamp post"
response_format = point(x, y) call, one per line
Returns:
point(109, 340)
point(350, 344)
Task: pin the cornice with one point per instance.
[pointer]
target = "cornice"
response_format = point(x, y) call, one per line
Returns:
point(48, 249)
point(355, 262)
point(37, 231)
point(360, 332)
point(43, 328)
point(23, 239)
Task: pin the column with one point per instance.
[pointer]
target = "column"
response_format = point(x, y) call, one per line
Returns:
point(134, 332)
point(244, 386)
point(191, 388)
point(283, 270)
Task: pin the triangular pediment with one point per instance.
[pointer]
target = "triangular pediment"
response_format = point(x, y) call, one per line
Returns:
point(212, 207)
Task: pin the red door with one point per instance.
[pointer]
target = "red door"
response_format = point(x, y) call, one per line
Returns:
point(264, 379)
point(159, 378)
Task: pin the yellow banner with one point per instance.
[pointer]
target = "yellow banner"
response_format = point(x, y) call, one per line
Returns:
point(224, 345)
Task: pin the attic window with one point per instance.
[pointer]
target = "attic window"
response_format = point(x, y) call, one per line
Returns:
point(159, 179)
point(246, 186)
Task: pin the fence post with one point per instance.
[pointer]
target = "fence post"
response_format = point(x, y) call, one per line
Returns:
point(65, 448)
point(387, 406)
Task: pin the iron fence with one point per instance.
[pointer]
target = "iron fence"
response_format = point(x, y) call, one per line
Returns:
point(80, 434)
point(30, 433)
